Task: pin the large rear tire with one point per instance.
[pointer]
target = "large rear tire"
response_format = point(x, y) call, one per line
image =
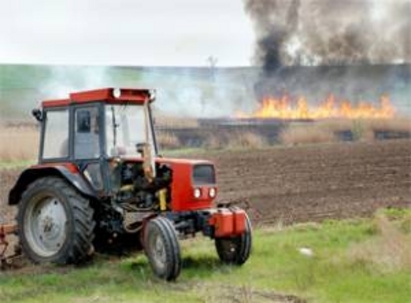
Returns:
point(55, 223)
point(162, 248)
point(235, 250)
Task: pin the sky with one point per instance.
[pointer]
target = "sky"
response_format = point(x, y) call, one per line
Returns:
point(125, 32)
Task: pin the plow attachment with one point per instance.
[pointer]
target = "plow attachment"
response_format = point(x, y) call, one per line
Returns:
point(5, 230)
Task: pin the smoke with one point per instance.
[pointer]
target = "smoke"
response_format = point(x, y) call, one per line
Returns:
point(197, 92)
point(354, 49)
point(190, 92)
point(326, 32)
point(31, 84)
point(275, 23)
point(64, 80)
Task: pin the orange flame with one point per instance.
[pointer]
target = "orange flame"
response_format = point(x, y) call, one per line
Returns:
point(282, 108)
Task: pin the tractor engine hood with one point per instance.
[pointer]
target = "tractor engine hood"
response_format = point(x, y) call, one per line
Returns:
point(194, 184)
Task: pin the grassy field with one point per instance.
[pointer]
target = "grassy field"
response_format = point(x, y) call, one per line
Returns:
point(367, 260)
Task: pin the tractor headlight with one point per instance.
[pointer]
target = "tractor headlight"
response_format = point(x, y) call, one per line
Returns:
point(212, 192)
point(197, 193)
point(116, 93)
point(152, 94)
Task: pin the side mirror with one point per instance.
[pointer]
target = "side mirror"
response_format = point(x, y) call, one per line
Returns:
point(38, 114)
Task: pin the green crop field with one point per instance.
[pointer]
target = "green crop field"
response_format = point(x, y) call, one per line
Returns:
point(364, 260)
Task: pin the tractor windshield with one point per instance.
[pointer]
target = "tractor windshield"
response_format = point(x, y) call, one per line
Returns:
point(126, 126)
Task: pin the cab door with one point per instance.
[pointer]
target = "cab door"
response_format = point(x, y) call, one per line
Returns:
point(87, 144)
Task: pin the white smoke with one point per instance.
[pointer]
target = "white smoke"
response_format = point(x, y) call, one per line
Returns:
point(197, 92)
point(190, 92)
point(64, 80)
point(187, 92)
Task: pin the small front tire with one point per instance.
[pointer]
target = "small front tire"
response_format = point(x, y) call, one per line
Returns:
point(162, 248)
point(235, 250)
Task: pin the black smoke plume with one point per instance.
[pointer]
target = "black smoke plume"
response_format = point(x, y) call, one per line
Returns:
point(329, 32)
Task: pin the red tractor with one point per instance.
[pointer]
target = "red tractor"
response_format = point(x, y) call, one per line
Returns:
point(100, 182)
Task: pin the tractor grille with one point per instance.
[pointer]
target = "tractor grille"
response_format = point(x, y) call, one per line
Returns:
point(203, 174)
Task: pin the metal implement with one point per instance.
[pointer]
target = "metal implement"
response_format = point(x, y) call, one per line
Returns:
point(4, 231)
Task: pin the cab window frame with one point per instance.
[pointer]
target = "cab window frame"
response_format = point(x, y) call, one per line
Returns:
point(42, 158)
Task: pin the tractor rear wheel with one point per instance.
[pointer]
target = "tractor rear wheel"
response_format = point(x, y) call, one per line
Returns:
point(162, 248)
point(55, 223)
point(235, 250)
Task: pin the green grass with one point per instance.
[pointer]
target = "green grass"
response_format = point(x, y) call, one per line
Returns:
point(332, 274)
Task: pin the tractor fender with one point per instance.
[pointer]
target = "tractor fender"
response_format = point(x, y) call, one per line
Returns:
point(67, 172)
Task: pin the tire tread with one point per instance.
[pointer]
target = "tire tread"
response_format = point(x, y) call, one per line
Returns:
point(82, 234)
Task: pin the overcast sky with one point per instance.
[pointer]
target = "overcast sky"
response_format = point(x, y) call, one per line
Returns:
point(125, 32)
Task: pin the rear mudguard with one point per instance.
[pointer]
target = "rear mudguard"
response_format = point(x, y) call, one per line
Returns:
point(68, 172)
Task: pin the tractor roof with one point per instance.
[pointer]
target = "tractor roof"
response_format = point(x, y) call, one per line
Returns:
point(106, 95)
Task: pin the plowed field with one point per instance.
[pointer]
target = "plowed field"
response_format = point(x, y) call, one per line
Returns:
point(304, 183)
point(312, 183)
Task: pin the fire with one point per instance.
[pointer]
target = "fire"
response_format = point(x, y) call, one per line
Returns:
point(284, 108)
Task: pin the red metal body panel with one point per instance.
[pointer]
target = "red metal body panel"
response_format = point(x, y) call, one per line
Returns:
point(92, 95)
point(71, 167)
point(183, 188)
point(228, 222)
point(182, 191)
point(223, 223)
point(135, 96)
point(56, 103)
point(239, 221)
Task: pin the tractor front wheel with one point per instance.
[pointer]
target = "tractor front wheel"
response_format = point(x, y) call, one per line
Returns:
point(235, 250)
point(162, 248)
point(55, 223)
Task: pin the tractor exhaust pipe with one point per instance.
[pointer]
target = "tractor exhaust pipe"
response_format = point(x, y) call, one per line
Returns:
point(148, 151)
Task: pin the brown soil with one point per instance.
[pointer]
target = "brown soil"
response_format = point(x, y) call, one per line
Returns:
point(316, 182)
point(303, 183)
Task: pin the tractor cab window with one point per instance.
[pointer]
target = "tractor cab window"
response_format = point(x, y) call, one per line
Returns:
point(87, 133)
point(126, 126)
point(56, 135)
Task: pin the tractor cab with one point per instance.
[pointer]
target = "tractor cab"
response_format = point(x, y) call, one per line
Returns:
point(101, 124)
point(92, 128)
